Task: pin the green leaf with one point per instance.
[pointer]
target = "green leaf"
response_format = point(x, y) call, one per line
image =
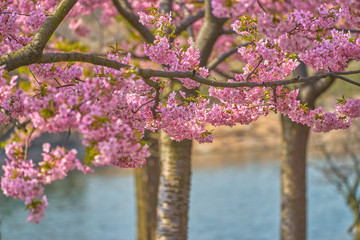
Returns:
point(46, 113)
point(353, 39)
point(138, 133)
point(25, 85)
point(43, 89)
point(3, 144)
point(14, 173)
point(90, 153)
point(342, 100)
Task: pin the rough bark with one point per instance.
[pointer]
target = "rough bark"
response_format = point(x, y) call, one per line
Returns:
point(210, 31)
point(293, 180)
point(293, 163)
point(147, 185)
point(175, 157)
point(148, 177)
point(174, 188)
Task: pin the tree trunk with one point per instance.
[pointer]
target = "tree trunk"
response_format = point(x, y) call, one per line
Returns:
point(356, 231)
point(174, 188)
point(293, 180)
point(354, 204)
point(147, 184)
point(293, 162)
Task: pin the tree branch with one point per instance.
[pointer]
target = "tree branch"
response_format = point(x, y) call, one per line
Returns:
point(148, 73)
point(33, 51)
point(123, 8)
point(188, 22)
point(209, 32)
point(347, 30)
point(256, 67)
point(225, 55)
point(81, 57)
point(347, 80)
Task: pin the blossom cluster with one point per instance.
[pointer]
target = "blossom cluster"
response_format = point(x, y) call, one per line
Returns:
point(111, 109)
point(24, 179)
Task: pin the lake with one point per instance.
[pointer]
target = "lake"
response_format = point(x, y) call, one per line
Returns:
point(231, 202)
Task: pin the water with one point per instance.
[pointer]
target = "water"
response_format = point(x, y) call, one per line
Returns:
point(233, 202)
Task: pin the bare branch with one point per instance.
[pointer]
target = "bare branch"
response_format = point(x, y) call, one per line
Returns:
point(225, 55)
point(260, 5)
point(151, 100)
point(188, 22)
point(67, 138)
point(148, 73)
point(27, 142)
point(81, 57)
point(347, 80)
point(347, 30)
point(125, 11)
point(342, 180)
point(257, 65)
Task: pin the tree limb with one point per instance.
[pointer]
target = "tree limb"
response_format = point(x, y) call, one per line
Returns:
point(126, 12)
point(33, 51)
point(188, 21)
point(225, 55)
point(347, 30)
point(209, 32)
point(148, 73)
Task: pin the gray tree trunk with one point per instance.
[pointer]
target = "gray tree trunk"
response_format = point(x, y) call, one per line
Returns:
point(147, 184)
point(174, 188)
point(293, 163)
point(175, 156)
point(293, 180)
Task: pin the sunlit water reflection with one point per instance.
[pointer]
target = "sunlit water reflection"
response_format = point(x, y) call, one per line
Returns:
point(233, 202)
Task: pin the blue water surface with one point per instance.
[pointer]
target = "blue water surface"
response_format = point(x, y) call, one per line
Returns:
point(231, 202)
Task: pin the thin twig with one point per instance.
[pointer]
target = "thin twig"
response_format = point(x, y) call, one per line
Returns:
point(156, 103)
point(225, 55)
point(257, 65)
point(261, 6)
point(27, 143)
point(21, 14)
point(188, 21)
point(57, 81)
point(143, 105)
point(347, 80)
point(14, 121)
point(275, 98)
point(67, 138)
point(34, 77)
point(346, 30)
point(292, 30)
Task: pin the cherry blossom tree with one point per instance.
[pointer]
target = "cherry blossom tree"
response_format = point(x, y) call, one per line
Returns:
point(244, 52)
